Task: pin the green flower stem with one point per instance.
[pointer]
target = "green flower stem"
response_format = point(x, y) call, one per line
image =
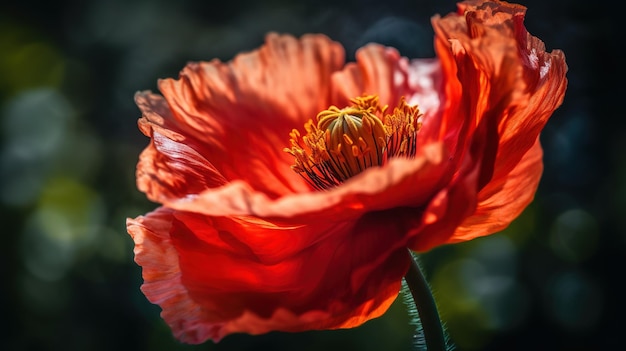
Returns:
point(426, 307)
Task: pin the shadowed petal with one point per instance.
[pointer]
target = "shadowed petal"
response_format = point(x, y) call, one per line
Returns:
point(504, 198)
point(444, 213)
point(449, 207)
point(216, 276)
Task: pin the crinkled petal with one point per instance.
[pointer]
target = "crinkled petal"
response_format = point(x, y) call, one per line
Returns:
point(400, 183)
point(444, 213)
point(540, 78)
point(170, 167)
point(243, 110)
point(214, 276)
point(504, 198)
point(453, 202)
point(506, 81)
point(382, 71)
point(373, 73)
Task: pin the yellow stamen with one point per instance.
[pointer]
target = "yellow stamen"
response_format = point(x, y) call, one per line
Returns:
point(344, 142)
point(401, 127)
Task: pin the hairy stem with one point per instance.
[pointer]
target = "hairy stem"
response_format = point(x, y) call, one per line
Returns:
point(432, 329)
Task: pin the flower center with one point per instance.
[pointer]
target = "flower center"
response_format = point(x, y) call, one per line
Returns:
point(346, 141)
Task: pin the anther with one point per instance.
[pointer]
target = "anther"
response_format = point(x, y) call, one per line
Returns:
point(344, 142)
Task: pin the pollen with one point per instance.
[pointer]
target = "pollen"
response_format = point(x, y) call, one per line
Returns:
point(344, 142)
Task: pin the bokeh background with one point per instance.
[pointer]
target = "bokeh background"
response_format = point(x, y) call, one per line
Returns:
point(69, 144)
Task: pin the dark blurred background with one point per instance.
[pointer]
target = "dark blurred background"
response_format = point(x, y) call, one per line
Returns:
point(69, 145)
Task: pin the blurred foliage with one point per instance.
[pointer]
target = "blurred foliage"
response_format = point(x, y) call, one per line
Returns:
point(69, 146)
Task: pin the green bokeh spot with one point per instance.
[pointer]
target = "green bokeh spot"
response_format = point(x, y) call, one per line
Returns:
point(27, 61)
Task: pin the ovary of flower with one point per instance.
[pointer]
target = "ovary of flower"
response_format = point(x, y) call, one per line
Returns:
point(354, 137)
point(345, 142)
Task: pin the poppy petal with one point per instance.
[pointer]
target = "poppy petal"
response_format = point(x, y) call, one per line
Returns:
point(382, 71)
point(444, 213)
point(447, 209)
point(509, 83)
point(503, 199)
point(169, 167)
point(216, 276)
point(401, 182)
point(243, 110)
point(505, 72)
point(373, 73)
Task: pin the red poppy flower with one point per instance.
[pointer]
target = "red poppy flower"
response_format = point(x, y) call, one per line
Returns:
point(292, 183)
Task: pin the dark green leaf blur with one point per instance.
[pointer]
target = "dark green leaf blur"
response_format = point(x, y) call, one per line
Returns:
point(69, 144)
